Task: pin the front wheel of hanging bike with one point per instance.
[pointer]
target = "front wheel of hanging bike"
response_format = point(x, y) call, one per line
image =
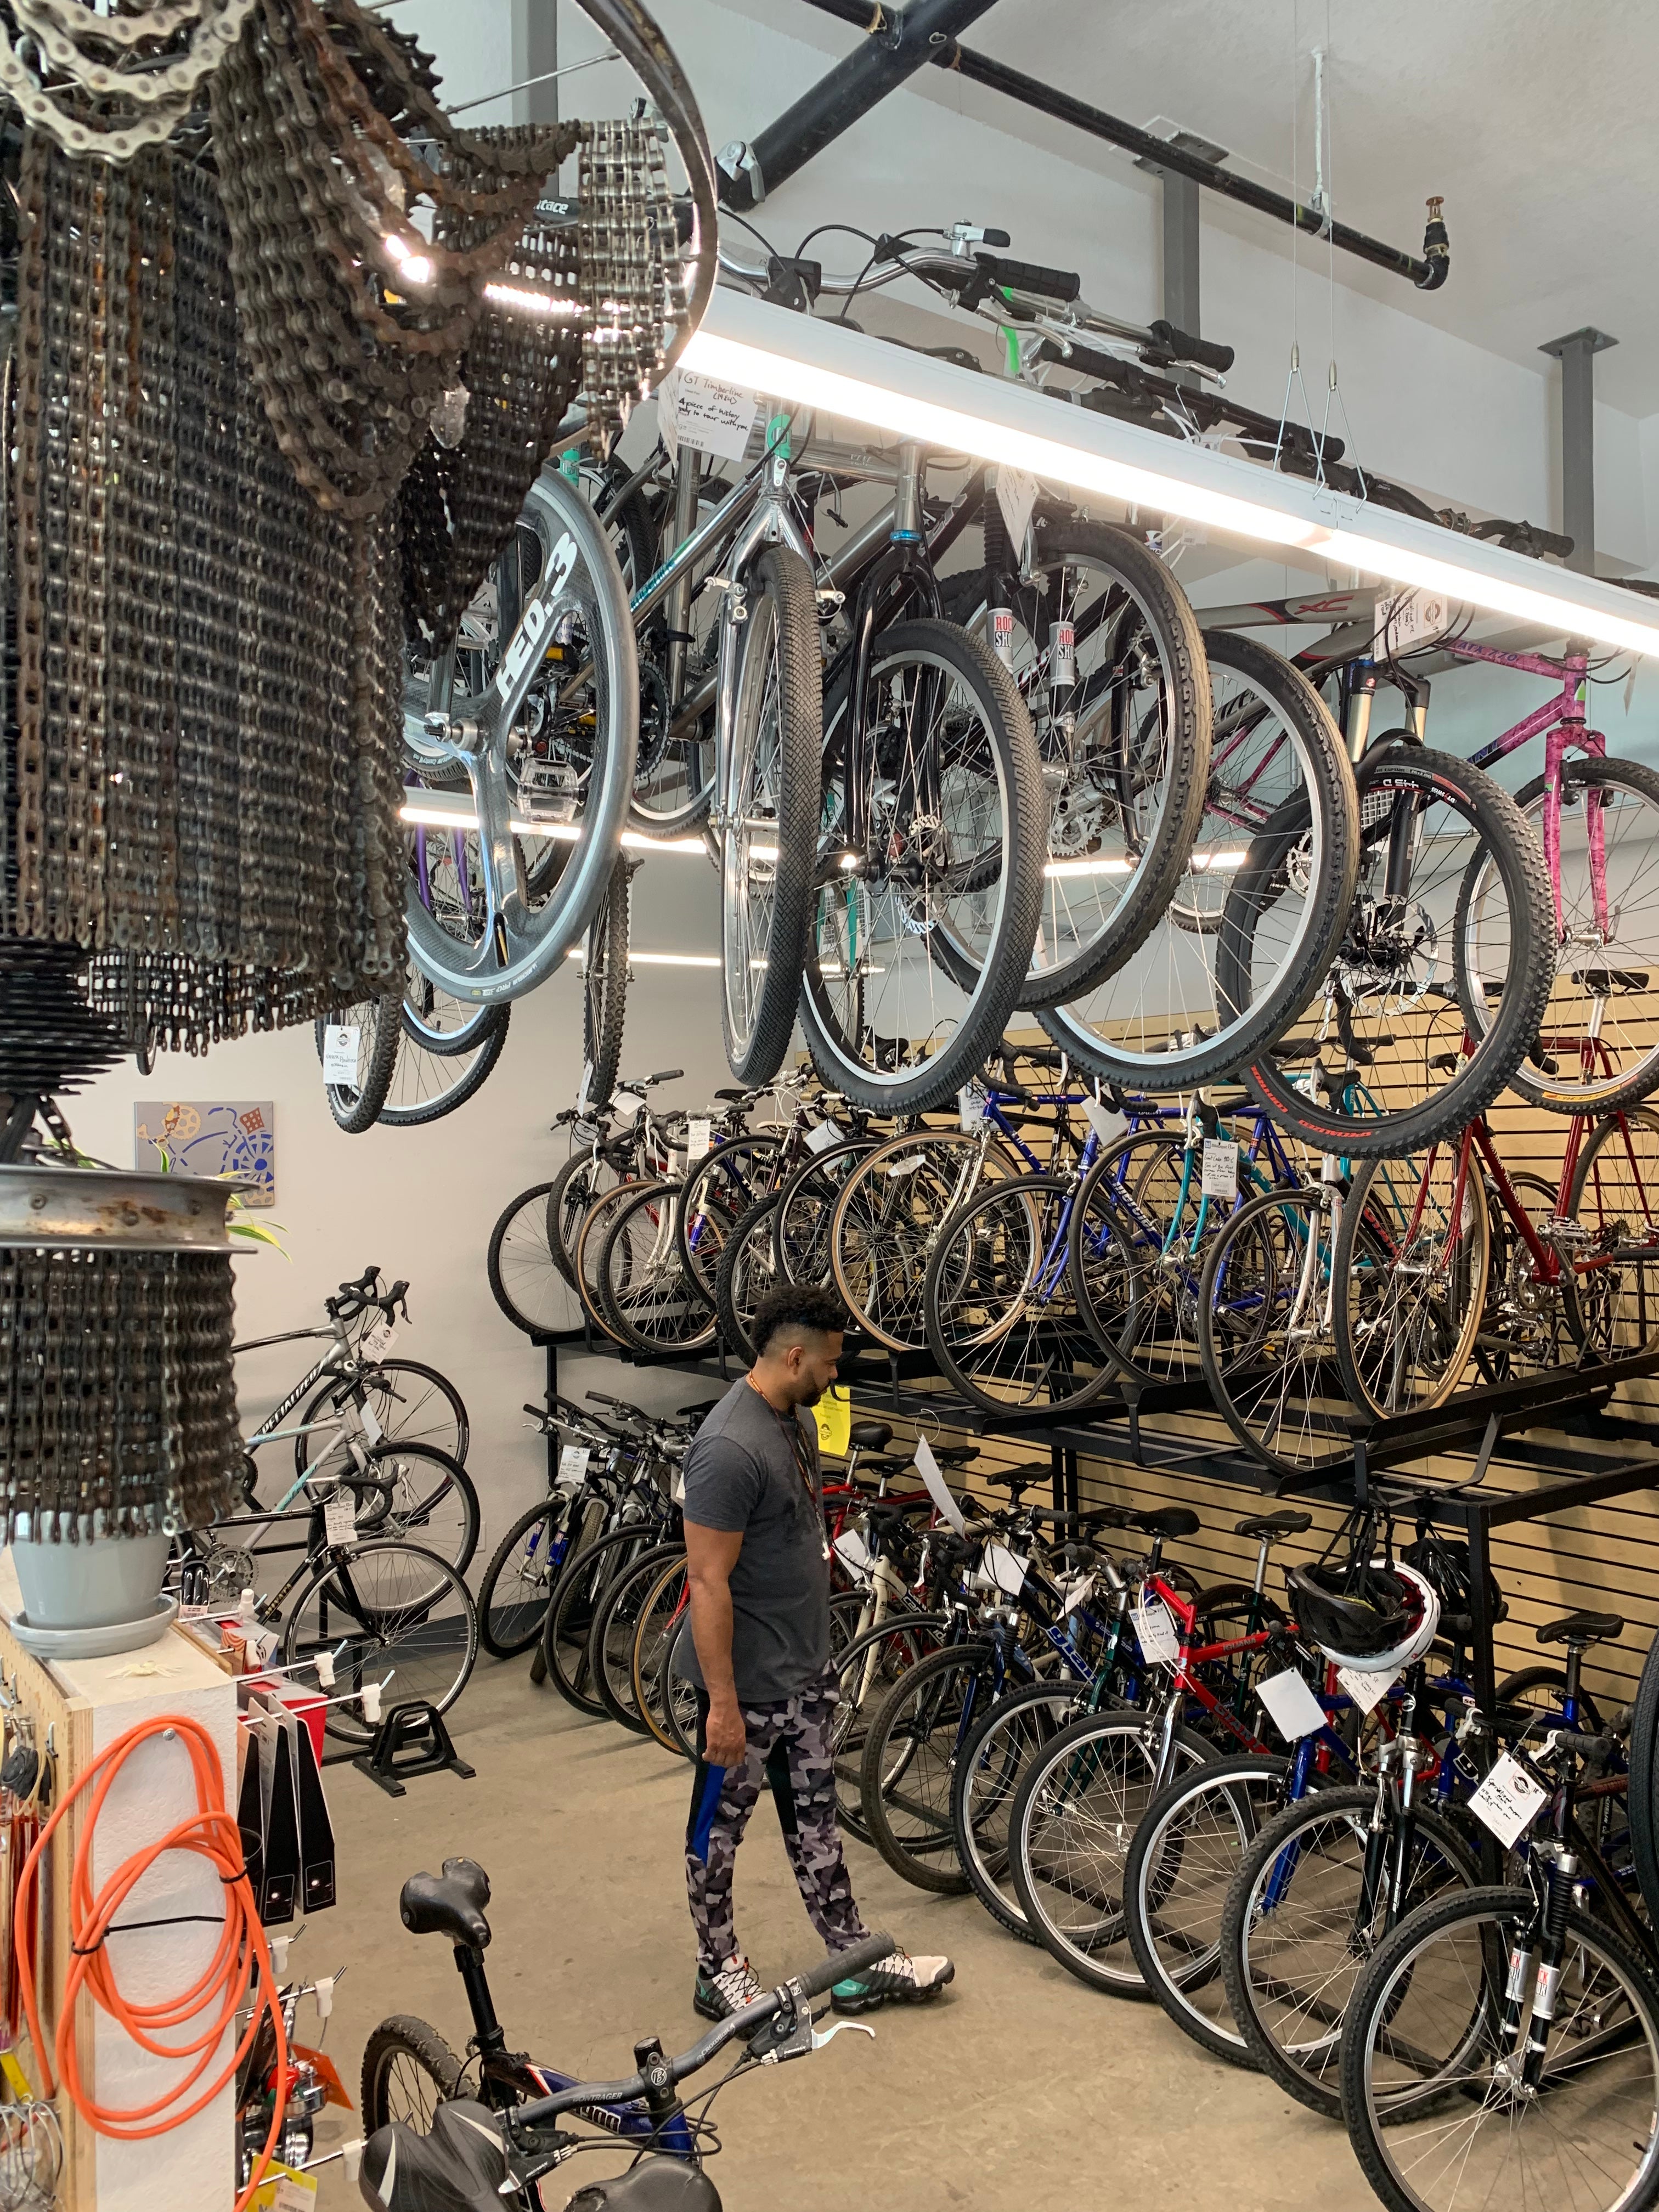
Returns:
point(919, 939)
point(501, 934)
point(604, 989)
point(367, 1034)
point(394, 1614)
point(1597, 1047)
point(1256, 917)
point(767, 838)
point(446, 1053)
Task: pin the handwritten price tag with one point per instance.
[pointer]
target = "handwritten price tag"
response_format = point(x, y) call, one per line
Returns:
point(1508, 1799)
point(1155, 1632)
point(1367, 1691)
point(340, 1518)
point(1220, 1168)
point(572, 1465)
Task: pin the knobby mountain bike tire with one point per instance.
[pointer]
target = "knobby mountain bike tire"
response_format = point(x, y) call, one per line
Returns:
point(1290, 1965)
point(525, 1280)
point(517, 1586)
point(1644, 1782)
point(1184, 1854)
point(356, 1106)
point(1258, 913)
point(1602, 974)
point(409, 2070)
point(411, 1403)
point(1390, 1090)
point(1427, 2112)
point(908, 985)
point(1411, 1287)
point(604, 988)
point(767, 840)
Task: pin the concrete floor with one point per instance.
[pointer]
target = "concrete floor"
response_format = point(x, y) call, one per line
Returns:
point(997, 2096)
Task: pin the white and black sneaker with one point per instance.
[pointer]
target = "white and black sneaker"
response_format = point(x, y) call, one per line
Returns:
point(899, 1979)
point(717, 1996)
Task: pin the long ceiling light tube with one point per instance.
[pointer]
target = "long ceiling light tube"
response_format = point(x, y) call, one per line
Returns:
point(847, 373)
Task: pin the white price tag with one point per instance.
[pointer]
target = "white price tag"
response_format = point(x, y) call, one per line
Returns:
point(821, 1136)
point(1292, 1705)
point(1507, 1800)
point(699, 1136)
point(1016, 496)
point(340, 1518)
point(715, 417)
point(667, 428)
point(1155, 1632)
point(676, 1484)
point(1077, 1594)
point(927, 1468)
point(340, 1053)
point(1417, 618)
point(626, 1105)
point(853, 1552)
point(572, 1465)
point(371, 1421)
point(1108, 1126)
point(1006, 1569)
point(908, 1165)
point(379, 1339)
point(1367, 1691)
point(971, 1107)
point(1220, 1168)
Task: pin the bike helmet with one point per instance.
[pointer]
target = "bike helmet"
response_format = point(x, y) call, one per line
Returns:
point(1376, 1618)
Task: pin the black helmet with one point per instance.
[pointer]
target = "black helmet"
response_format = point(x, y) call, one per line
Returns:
point(1373, 1616)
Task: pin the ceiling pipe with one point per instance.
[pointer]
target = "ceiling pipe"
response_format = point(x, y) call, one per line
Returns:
point(899, 42)
point(1428, 273)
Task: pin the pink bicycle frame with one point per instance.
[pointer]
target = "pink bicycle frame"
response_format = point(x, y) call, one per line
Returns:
point(1561, 721)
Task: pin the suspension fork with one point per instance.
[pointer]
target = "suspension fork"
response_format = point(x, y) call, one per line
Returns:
point(905, 565)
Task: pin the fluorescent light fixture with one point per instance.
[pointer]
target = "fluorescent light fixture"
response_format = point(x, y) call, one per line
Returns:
point(662, 959)
point(525, 301)
point(823, 365)
point(432, 809)
point(1100, 865)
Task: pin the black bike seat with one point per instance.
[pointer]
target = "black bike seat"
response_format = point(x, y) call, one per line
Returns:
point(461, 2163)
point(1582, 1628)
point(448, 1904)
point(956, 1455)
point(1170, 1520)
point(737, 1096)
point(655, 2185)
point(870, 1436)
point(1273, 1524)
point(1019, 1477)
point(1602, 982)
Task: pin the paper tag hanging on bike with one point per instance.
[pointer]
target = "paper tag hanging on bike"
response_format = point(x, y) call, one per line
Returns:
point(340, 1053)
point(379, 1340)
point(971, 1107)
point(1016, 496)
point(1107, 1125)
point(821, 1136)
point(1077, 1594)
point(1062, 656)
point(1508, 1799)
point(713, 416)
point(295, 2192)
point(1002, 634)
point(1220, 1168)
point(852, 1552)
point(340, 1518)
point(1155, 1632)
point(1367, 1691)
point(1006, 1569)
point(626, 1105)
point(699, 1135)
point(572, 1465)
point(1292, 1705)
point(927, 1469)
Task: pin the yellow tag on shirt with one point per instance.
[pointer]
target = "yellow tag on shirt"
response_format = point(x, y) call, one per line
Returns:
point(834, 1415)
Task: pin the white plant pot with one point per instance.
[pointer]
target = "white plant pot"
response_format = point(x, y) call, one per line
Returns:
point(99, 1582)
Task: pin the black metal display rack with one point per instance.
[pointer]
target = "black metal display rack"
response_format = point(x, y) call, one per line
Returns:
point(1588, 1452)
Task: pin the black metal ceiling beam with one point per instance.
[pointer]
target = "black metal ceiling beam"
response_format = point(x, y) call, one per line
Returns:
point(901, 41)
point(1427, 272)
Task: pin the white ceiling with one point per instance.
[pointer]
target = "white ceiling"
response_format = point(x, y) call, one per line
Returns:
point(1534, 119)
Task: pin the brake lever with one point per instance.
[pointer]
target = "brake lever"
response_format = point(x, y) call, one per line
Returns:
point(858, 2026)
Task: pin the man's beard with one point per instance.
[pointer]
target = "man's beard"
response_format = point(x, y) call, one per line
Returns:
point(815, 1397)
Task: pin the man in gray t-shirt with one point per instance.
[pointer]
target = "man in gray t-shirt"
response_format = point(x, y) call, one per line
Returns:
point(757, 1562)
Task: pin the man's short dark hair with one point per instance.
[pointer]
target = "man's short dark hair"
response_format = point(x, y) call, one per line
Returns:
point(797, 1306)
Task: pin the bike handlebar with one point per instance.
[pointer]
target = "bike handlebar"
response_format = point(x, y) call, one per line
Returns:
point(1180, 346)
point(1062, 284)
point(839, 1966)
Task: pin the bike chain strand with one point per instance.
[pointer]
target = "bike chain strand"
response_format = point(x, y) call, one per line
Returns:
point(116, 1390)
point(111, 108)
point(206, 776)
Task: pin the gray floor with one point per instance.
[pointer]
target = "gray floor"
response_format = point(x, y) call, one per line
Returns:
point(1013, 2088)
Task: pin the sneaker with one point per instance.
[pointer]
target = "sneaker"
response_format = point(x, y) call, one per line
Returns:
point(899, 1979)
point(717, 1996)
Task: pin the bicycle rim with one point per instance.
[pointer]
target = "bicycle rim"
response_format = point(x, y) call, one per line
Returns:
point(1411, 1281)
point(400, 1613)
point(524, 1280)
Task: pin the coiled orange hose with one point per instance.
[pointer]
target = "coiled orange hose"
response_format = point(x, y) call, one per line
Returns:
point(242, 1955)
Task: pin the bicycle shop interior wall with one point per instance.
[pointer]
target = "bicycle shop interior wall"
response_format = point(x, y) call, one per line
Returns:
point(79, 1707)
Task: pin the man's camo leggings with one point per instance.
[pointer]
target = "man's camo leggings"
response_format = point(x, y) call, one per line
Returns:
point(788, 1743)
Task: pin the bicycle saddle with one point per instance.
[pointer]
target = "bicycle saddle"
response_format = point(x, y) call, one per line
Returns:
point(956, 1455)
point(448, 1904)
point(737, 1096)
point(1273, 1524)
point(1582, 1628)
point(870, 1436)
point(1604, 981)
point(1170, 1520)
point(460, 2164)
point(1018, 1478)
point(655, 2185)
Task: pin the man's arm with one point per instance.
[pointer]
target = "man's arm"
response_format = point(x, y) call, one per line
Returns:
point(710, 1556)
